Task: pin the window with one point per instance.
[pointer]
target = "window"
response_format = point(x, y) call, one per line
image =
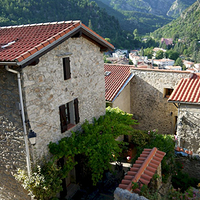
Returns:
point(66, 68)
point(167, 92)
point(69, 115)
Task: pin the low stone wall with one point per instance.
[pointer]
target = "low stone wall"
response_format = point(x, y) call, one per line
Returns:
point(190, 166)
point(121, 194)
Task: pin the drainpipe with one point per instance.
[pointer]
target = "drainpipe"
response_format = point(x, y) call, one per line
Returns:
point(23, 118)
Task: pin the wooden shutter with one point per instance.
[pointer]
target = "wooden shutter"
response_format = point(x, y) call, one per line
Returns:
point(77, 119)
point(66, 68)
point(63, 120)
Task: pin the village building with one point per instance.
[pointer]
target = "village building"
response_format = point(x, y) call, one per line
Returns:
point(50, 84)
point(162, 63)
point(186, 96)
point(117, 86)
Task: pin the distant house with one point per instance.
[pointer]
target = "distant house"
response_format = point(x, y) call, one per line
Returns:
point(137, 59)
point(117, 86)
point(120, 53)
point(186, 96)
point(197, 67)
point(179, 68)
point(49, 85)
point(163, 62)
point(188, 64)
point(167, 41)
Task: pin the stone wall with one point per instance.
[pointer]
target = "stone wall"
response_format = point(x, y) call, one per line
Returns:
point(190, 166)
point(121, 194)
point(148, 104)
point(123, 100)
point(12, 146)
point(46, 90)
point(188, 129)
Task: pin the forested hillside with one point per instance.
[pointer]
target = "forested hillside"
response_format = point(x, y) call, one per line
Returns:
point(133, 15)
point(144, 15)
point(15, 12)
point(185, 31)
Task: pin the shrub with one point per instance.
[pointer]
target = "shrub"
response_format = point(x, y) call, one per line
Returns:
point(44, 182)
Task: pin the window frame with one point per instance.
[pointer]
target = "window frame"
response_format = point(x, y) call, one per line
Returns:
point(69, 115)
point(66, 68)
point(167, 92)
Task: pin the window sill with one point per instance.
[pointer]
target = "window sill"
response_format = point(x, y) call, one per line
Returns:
point(69, 126)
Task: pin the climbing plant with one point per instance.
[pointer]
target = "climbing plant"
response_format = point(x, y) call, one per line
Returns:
point(96, 141)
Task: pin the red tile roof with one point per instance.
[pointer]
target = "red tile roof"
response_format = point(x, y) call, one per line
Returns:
point(143, 169)
point(20, 42)
point(187, 90)
point(117, 79)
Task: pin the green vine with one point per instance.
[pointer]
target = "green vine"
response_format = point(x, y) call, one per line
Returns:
point(97, 141)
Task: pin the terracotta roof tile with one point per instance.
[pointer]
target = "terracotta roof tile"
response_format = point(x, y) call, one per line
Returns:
point(143, 172)
point(187, 90)
point(116, 80)
point(19, 42)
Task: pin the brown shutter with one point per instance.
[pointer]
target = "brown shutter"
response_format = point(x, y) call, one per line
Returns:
point(66, 68)
point(77, 119)
point(63, 121)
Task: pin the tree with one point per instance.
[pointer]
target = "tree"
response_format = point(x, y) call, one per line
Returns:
point(90, 24)
point(179, 62)
point(172, 54)
point(159, 54)
point(142, 52)
point(135, 33)
point(130, 62)
point(148, 52)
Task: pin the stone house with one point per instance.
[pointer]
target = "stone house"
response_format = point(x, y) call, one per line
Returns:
point(117, 86)
point(145, 95)
point(186, 96)
point(49, 85)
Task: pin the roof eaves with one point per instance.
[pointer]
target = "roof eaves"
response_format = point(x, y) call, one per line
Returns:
point(98, 38)
point(183, 102)
point(123, 86)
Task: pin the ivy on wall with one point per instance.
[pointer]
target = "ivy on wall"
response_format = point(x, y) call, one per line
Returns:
point(96, 141)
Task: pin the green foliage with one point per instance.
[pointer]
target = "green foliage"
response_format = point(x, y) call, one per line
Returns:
point(178, 62)
point(148, 52)
point(44, 182)
point(96, 141)
point(159, 54)
point(181, 180)
point(185, 30)
point(130, 62)
point(135, 185)
point(139, 137)
point(164, 143)
point(177, 194)
point(171, 54)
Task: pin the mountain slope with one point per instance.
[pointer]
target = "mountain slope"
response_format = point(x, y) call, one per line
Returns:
point(39, 11)
point(131, 17)
point(185, 31)
point(178, 7)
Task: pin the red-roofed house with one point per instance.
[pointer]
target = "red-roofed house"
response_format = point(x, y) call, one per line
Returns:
point(117, 86)
point(186, 96)
point(49, 84)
